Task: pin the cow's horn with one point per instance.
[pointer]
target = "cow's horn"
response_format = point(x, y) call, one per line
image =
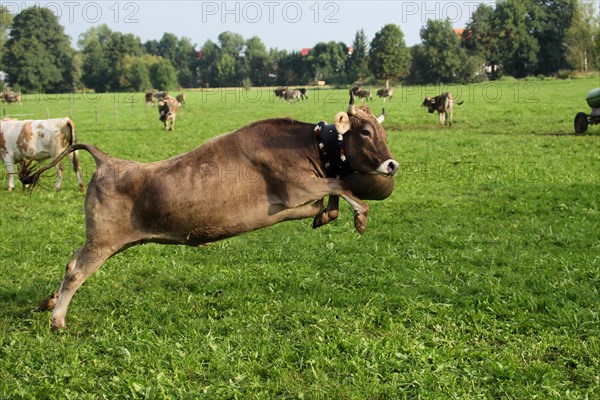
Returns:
point(381, 118)
point(351, 108)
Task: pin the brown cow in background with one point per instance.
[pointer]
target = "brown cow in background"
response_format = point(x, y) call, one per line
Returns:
point(167, 108)
point(444, 105)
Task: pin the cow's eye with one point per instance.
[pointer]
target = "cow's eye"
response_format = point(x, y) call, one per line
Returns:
point(365, 133)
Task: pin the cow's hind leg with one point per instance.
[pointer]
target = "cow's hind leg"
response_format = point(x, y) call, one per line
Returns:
point(329, 213)
point(84, 263)
point(74, 158)
point(59, 176)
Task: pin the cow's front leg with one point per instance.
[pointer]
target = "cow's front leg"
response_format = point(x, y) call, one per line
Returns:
point(327, 214)
point(310, 191)
point(10, 171)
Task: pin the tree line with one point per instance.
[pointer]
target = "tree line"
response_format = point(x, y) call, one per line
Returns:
point(516, 37)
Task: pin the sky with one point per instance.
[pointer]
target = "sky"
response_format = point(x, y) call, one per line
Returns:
point(281, 24)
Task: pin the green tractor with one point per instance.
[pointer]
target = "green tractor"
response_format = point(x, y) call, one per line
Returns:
point(582, 120)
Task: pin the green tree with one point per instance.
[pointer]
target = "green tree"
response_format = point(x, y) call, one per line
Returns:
point(223, 64)
point(5, 24)
point(136, 72)
point(328, 62)
point(517, 47)
point(104, 52)
point(38, 55)
point(163, 75)
point(167, 46)
point(579, 38)
point(226, 71)
point(231, 43)
point(151, 47)
point(389, 58)
point(208, 56)
point(180, 52)
point(439, 57)
point(117, 47)
point(548, 21)
point(95, 68)
point(258, 61)
point(480, 39)
point(358, 63)
point(292, 68)
point(185, 58)
point(597, 42)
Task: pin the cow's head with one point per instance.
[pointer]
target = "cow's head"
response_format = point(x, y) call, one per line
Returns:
point(365, 140)
point(429, 103)
point(163, 110)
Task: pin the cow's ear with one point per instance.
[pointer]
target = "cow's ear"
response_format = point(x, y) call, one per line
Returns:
point(342, 122)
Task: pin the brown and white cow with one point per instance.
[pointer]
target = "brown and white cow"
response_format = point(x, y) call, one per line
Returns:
point(272, 171)
point(293, 95)
point(37, 140)
point(444, 105)
point(168, 108)
point(12, 97)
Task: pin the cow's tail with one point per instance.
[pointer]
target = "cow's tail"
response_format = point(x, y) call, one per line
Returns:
point(29, 173)
point(72, 140)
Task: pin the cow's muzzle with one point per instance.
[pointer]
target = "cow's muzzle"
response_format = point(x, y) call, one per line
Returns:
point(388, 167)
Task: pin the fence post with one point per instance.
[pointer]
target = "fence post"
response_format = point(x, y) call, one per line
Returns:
point(96, 115)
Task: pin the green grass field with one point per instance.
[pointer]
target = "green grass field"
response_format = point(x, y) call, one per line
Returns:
point(478, 278)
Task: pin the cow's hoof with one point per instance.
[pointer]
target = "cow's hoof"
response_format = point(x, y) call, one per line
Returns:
point(58, 326)
point(318, 221)
point(81, 188)
point(324, 217)
point(360, 223)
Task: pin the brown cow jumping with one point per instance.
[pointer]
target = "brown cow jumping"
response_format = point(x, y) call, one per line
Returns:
point(274, 170)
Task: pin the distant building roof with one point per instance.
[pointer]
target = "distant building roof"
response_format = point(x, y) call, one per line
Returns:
point(459, 31)
point(304, 52)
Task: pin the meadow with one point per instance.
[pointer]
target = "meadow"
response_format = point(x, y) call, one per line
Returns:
point(478, 278)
